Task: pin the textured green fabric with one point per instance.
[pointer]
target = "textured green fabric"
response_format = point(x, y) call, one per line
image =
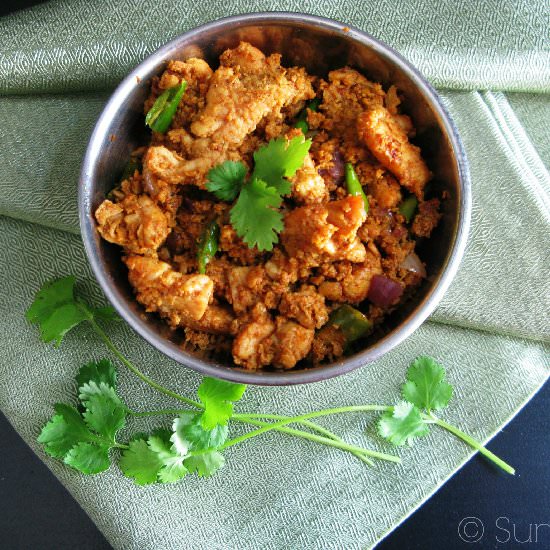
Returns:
point(491, 330)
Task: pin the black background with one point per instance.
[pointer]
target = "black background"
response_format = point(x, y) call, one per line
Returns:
point(36, 512)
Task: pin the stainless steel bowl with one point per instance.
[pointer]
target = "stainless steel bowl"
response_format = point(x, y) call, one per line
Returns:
point(320, 45)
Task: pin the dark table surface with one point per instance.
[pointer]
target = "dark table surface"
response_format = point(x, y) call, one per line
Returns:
point(36, 512)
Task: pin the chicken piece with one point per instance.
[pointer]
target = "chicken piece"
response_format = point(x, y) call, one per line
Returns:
point(175, 296)
point(249, 286)
point(353, 287)
point(216, 320)
point(427, 218)
point(289, 343)
point(135, 222)
point(162, 169)
point(389, 143)
point(306, 305)
point(243, 90)
point(328, 230)
point(241, 295)
point(346, 95)
point(248, 349)
point(385, 190)
point(308, 187)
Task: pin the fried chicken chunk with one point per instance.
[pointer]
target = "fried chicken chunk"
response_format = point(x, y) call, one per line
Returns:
point(326, 230)
point(136, 223)
point(389, 143)
point(158, 287)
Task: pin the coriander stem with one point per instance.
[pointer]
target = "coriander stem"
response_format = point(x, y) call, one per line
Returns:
point(107, 341)
point(162, 412)
point(329, 440)
point(316, 414)
point(289, 431)
point(473, 443)
point(312, 426)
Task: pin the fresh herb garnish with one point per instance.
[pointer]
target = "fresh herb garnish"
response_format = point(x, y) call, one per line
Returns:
point(255, 216)
point(86, 438)
point(226, 180)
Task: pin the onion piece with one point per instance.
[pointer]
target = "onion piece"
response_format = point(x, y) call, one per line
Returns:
point(413, 263)
point(384, 292)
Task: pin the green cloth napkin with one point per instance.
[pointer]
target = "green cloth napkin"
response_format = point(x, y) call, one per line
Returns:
point(491, 61)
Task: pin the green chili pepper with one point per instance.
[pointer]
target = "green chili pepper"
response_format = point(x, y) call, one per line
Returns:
point(301, 120)
point(351, 322)
point(408, 207)
point(208, 245)
point(163, 110)
point(354, 185)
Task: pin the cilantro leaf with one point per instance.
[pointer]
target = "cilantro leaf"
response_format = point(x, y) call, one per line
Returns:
point(88, 458)
point(217, 397)
point(254, 216)
point(189, 434)
point(172, 468)
point(425, 386)
point(140, 462)
point(226, 180)
point(101, 371)
point(65, 430)
point(56, 311)
point(105, 412)
point(280, 159)
point(206, 464)
point(402, 424)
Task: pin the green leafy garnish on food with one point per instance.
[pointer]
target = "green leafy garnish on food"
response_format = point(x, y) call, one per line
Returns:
point(226, 180)
point(255, 216)
point(278, 160)
point(162, 112)
point(87, 437)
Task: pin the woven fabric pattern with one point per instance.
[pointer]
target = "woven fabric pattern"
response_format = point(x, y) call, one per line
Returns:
point(59, 62)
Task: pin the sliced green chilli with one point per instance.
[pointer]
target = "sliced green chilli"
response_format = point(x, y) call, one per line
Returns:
point(163, 110)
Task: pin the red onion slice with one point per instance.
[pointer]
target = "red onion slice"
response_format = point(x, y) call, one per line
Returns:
point(413, 263)
point(384, 292)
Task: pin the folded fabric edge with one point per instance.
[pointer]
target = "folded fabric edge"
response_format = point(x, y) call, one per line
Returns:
point(469, 456)
point(521, 147)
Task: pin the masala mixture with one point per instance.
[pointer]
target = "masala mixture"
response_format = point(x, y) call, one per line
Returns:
point(274, 215)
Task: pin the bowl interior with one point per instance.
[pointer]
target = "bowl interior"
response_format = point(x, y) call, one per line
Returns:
point(320, 45)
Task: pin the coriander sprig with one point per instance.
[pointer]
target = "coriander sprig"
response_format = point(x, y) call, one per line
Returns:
point(86, 438)
point(255, 216)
